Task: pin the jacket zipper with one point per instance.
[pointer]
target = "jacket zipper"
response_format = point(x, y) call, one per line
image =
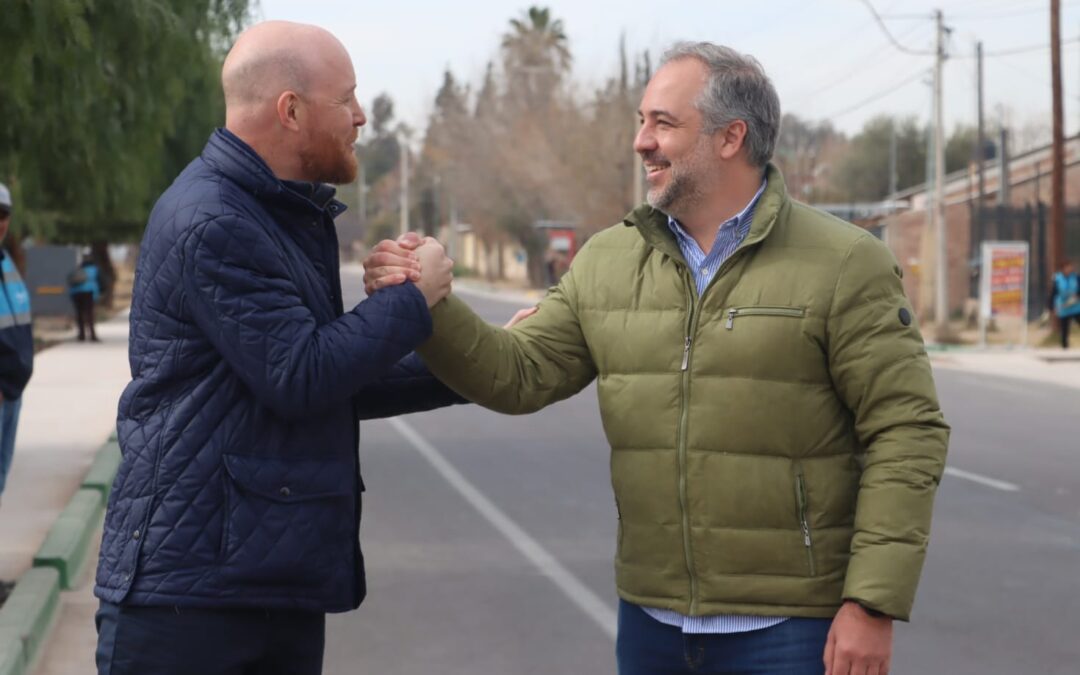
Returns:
point(684, 419)
point(800, 495)
point(693, 302)
point(793, 312)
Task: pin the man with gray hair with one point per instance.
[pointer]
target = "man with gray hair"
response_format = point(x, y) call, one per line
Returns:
point(776, 440)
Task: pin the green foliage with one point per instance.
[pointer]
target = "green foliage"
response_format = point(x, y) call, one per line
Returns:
point(381, 156)
point(105, 101)
point(863, 172)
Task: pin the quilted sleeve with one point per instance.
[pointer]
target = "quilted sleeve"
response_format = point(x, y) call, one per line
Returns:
point(880, 370)
point(409, 387)
point(242, 297)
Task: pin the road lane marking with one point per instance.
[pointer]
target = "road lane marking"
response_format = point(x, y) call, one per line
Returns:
point(572, 587)
point(982, 480)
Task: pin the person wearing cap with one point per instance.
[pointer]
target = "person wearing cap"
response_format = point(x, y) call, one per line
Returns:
point(16, 343)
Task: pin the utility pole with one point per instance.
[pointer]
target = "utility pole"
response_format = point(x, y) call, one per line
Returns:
point(361, 188)
point(639, 174)
point(639, 167)
point(927, 247)
point(1003, 162)
point(403, 200)
point(892, 158)
point(1057, 177)
point(980, 142)
point(941, 305)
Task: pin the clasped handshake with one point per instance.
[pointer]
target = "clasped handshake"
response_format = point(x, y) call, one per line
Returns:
point(421, 260)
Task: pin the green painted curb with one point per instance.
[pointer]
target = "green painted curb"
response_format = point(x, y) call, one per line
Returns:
point(103, 470)
point(68, 539)
point(26, 617)
point(11, 655)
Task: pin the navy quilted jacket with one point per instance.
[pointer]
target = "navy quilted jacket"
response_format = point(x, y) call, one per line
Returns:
point(240, 481)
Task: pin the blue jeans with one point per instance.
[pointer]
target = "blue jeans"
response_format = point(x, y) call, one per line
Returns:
point(183, 641)
point(647, 647)
point(9, 422)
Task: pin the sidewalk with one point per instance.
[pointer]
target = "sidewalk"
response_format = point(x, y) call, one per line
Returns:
point(1052, 366)
point(68, 412)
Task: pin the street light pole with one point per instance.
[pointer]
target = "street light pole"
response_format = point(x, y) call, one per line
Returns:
point(403, 200)
point(361, 186)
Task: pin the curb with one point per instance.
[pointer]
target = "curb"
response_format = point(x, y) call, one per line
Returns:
point(103, 470)
point(26, 618)
point(28, 614)
point(524, 297)
point(68, 540)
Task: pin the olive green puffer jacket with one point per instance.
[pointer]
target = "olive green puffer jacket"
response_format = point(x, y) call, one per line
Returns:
point(775, 443)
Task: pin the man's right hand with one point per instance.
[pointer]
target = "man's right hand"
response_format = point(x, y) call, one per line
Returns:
point(438, 272)
point(392, 262)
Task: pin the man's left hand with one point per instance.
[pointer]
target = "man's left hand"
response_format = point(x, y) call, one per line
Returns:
point(519, 315)
point(858, 644)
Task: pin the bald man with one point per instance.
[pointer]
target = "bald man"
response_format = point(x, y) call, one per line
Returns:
point(232, 524)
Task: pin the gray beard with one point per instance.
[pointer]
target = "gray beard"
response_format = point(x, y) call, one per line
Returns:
point(679, 196)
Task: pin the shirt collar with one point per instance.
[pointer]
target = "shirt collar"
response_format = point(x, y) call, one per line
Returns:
point(736, 220)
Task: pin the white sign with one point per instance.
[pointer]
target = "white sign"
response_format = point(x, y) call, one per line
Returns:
point(1003, 296)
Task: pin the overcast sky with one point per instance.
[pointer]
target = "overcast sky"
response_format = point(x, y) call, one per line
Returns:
point(828, 58)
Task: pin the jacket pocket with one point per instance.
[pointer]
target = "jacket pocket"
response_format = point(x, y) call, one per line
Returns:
point(734, 313)
point(804, 523)
point(125, 531)
point(287, 522)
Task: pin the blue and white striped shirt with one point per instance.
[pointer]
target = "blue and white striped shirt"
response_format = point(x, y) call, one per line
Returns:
point(728, 237)
point(704, 267)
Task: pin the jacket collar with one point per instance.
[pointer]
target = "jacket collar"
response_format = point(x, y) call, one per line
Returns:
point(653, 223)
point(238, 162)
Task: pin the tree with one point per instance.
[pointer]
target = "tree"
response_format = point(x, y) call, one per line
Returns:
point(803, 154)
point(382, 153)
point(103, 104)
point(536, 56)
point(382, 114)
point(863, 172)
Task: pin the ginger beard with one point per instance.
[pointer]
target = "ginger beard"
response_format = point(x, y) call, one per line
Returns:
point(328, 159)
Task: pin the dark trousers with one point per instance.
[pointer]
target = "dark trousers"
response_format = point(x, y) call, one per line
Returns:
point(646, 646)
point(1064, 325)
point(84, 314)
point(182, 641)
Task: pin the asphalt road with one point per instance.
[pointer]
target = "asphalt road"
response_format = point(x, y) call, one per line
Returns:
point(489, 540)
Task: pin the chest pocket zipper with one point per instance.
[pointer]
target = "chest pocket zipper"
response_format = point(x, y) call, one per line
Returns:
point(792, 312)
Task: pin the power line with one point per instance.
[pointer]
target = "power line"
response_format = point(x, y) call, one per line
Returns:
point(880, 95)
point(888, 34)
point(867, 61)
point(1005, 13)
point(1019, 50)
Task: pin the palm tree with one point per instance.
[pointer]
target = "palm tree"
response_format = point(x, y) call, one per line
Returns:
point(536, 53)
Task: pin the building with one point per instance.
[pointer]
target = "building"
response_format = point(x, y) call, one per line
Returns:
point(1015, 209)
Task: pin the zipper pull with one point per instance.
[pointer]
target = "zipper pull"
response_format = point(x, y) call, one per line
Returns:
point(806, 534)
point(686, 353)
point(731, 318)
